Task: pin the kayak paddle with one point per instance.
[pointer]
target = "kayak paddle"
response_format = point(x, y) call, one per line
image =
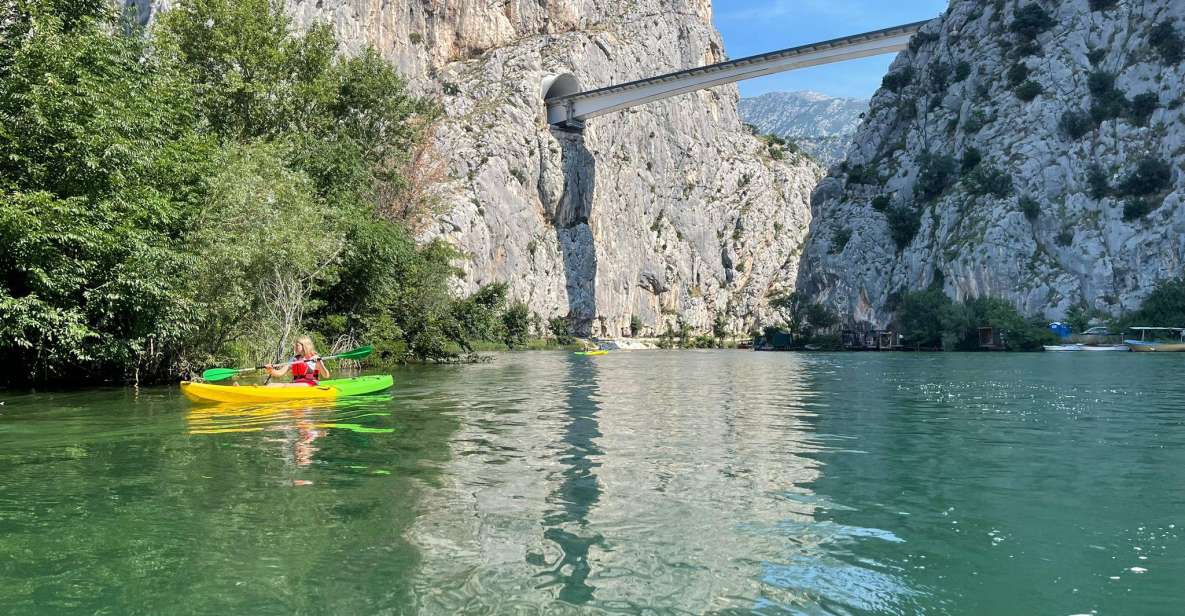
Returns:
point(221, 374)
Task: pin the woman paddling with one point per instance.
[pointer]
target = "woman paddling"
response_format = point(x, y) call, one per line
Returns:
point(306, 366)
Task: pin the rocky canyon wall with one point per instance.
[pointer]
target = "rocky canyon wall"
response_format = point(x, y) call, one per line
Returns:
point(669, 212)
point(1026, 150)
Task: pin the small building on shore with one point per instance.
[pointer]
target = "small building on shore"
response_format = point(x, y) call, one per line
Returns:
point(869, 340)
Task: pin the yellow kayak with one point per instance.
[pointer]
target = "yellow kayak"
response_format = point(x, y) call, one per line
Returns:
point(326, 390)
point(592, 352)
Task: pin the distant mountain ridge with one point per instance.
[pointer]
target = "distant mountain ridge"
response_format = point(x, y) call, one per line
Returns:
point(822, 125)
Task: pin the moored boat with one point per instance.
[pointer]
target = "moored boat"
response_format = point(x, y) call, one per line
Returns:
point(1063, 347)
point(1106, 347)
point(1157, 340)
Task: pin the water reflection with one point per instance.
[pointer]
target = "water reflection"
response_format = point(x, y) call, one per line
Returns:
point(637, 483)
point(579, 490)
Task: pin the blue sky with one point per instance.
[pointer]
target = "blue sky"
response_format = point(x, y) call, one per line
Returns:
point(756, 26)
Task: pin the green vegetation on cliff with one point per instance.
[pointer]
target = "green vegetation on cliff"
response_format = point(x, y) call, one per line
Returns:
point(202, 192)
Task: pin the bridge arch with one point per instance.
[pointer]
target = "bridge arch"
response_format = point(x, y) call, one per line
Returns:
point(557, 86)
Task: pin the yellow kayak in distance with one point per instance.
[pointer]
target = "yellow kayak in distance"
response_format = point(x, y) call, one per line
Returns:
point(208, 393)
point(591, 353)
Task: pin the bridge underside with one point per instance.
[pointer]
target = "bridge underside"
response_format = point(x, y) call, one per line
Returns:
point(568, 108)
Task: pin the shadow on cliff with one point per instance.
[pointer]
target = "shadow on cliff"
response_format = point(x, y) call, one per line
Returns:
point(570, 218)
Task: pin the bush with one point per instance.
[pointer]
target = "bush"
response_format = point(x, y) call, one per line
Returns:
point(971, 159)
point(962, 71)
point(1095, 56)
point(1164, 307)
point(1098, 186)
point(840, 239)
point(1076, 124)
point(561, 329)
point(1029, 90)
point(939, 76)
point(1103, 5)
point(920, 317)
point(1030, 21)
point(1107, 102)
point(479, 316)
point(720, 327)
point(820, 317)
point(516, 325)
point(861, 174)
point(1017, 74)
point(904, 224)
point(1137, 208)
point(1100, 83)
point(937, 173)
point(635, 326)
point(897, 80)
point(977, 121)
point(1142, 107)
point(881, 203)
point(989, 180)
point(1168, 42)
point(1151, 176)
point(1030, 208)
point(922, 38)
point(1064, 238)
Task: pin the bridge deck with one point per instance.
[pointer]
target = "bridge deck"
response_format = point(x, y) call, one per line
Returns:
point(571, 110)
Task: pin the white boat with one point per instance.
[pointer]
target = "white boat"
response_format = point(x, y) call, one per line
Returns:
point(1106, 347)
point(1063, 347)
point(1158, 339)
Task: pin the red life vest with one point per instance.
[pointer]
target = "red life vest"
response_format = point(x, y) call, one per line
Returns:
point(305, 371)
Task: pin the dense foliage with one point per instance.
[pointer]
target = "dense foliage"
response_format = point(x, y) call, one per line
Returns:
point(1164, 307)
point(929, 319)
point(204, 192)
point(1031, 20)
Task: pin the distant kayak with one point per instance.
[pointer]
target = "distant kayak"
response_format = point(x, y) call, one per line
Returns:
point(592, 353)
point(326, 390)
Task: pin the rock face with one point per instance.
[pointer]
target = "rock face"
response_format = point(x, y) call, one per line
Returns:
point(670, 212)
point(1076, 119)
point(823, 126)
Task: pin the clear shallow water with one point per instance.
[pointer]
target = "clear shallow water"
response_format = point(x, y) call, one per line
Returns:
point(633, 483)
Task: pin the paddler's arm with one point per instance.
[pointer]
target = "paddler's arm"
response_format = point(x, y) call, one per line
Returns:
point(277, 372)
point(322, 369)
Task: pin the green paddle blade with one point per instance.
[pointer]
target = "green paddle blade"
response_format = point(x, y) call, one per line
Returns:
point(218, 374)
point(358, 353)
point(221, 374)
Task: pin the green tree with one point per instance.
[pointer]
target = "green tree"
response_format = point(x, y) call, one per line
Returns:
point(1164, 307)
point(516, 325)
point(479, 316)
point(561, 328)
point(199, 192)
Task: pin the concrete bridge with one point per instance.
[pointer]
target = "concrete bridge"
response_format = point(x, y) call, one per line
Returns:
point(568, 107)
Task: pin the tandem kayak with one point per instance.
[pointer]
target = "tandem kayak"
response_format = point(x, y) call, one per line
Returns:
point(326, 390)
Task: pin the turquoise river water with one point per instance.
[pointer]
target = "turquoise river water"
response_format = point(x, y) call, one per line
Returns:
point(721, 482)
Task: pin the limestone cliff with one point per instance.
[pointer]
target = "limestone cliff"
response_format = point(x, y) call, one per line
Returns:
point(667, 211)
point(1026, 150)
point(823, 126)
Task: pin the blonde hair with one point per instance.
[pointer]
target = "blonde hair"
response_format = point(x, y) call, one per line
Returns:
point(306, 344)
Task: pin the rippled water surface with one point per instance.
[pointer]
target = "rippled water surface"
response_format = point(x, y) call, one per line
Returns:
point(633, 483)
